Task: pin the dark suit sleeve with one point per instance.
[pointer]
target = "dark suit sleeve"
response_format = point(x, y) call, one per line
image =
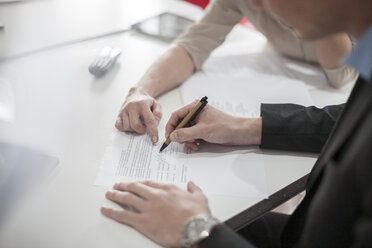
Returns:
point(222, 237)
point(297, 128)
point(362, 230)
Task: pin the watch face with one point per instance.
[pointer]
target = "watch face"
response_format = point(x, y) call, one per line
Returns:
point(196, 227)
point(197, 230)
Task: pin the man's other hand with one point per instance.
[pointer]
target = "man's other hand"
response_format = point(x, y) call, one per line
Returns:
point(161, 209)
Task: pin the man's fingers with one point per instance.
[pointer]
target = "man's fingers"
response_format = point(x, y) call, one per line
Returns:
point(157, 185)
point(177, 117)
point(192, 187)
point(137, 188)
point(126, 198)
point(192, 145)
point(120, 215)
point(186, 134)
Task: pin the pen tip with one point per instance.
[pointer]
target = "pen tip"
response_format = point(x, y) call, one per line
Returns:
point(163, 147)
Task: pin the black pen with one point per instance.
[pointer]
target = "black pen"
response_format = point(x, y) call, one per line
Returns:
point(189, 117)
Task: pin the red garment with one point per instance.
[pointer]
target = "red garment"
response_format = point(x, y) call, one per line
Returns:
point(201, 3)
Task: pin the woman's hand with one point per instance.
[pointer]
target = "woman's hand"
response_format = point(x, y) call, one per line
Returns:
point(140, 112)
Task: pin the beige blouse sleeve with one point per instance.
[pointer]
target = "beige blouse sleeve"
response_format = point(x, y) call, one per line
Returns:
point(337, 77)
point(209, 32)
point(222, 15)
point(341, 76)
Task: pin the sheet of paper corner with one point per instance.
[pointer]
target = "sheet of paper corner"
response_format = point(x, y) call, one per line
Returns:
point(245, 92)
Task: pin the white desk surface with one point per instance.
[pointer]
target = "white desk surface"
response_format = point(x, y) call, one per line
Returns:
point(63, 110)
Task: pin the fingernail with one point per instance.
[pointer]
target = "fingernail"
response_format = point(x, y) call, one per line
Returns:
point(118, 121)
point(174, 136)
point(154, 139)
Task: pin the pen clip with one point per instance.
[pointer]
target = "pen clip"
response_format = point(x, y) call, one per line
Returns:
point(204, 102)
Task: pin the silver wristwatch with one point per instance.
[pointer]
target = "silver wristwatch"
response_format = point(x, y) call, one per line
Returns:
point(196, 229)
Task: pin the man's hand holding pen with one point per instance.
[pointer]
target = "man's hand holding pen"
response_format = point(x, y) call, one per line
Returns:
point(188, 118)
point(213, 126)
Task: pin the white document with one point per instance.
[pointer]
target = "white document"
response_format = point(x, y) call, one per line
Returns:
point(216, 169)
point(242, 94)
point(132, 157)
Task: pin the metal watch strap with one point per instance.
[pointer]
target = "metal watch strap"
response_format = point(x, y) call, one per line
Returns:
point(196, 229)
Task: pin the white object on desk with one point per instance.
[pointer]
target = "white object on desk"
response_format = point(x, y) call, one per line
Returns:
point(7, 102)
point(105, 60)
